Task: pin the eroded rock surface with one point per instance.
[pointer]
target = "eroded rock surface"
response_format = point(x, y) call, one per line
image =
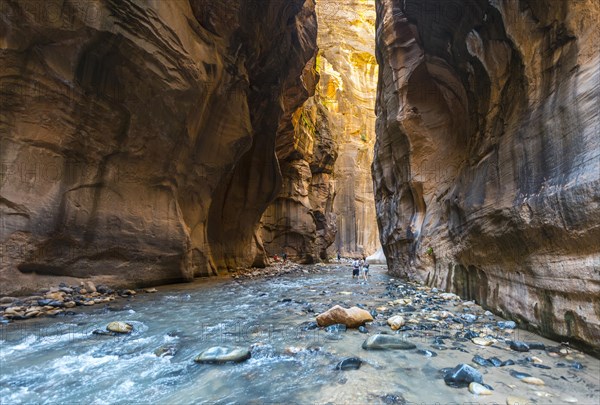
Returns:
point(487, 165)
point(326, 149)
point(138, 138)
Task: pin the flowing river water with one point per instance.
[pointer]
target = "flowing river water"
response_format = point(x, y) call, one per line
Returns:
point(60, 360)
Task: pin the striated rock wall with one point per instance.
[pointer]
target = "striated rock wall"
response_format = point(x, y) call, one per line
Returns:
point(487, 161)
point(347, 91)
point(138, 137)
point(327, 199)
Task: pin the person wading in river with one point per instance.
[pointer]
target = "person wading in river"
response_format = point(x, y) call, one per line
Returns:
point(355, 268)
point(366, 270)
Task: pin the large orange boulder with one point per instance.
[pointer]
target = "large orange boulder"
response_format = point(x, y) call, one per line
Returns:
point(351, 317)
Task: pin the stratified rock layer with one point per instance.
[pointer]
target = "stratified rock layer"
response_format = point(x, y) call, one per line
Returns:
point(487, 164)
point(138, 138)
point(347, 91)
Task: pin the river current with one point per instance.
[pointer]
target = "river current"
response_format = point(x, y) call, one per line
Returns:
point(60, 360)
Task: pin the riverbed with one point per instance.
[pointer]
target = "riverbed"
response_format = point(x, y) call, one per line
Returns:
point(61, 360)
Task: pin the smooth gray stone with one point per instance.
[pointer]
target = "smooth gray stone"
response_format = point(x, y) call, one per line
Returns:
point(387, 342)
point(223, 354)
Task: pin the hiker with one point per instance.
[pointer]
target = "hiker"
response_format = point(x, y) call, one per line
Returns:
point(339, 256)
point(366, 270)
point(284, 257)
point(355, 268)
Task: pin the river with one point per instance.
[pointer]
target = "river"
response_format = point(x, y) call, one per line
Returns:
point(60, 360)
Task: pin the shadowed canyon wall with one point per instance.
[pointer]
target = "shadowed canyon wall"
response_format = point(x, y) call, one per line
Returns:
point(138, 137)
point(327, 196)
point(487, 162)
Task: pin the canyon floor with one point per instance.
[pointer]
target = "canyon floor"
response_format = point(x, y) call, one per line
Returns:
point(62, 360)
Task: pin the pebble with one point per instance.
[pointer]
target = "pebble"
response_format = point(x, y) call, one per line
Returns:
point(519, 375)
point(151, 290)
point(482, 341)
point(478, 389)
point(362, 329)
point(532, 380)
point(396, 322)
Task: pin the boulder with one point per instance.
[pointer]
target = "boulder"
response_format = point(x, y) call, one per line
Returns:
point(223, 354)
point(351, 317)
point(387, 342)
point(119, 327)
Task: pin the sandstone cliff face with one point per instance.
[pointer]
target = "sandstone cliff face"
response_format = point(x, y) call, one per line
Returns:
point(487, 165)
point(347, 90)
point(327, 197)
point(138, 138)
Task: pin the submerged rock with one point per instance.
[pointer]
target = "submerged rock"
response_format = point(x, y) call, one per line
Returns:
point(351, 317)
point(462, 375)
point(338, 327)
point(223, 354)
point(351, 363)
point(477, 359)
point(387, 342)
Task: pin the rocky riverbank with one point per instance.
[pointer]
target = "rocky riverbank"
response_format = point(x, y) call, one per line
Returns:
point(382, 341)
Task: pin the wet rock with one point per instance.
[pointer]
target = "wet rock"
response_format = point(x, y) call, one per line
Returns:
point(518, 374)
point(427, 353)
point(7, 300)
point(166, 350)
point(542, 366)
point(471, 334)
point(119, 327)
point(507, 325)
point(150, 290)
point(362, 329)
point(536, 346)
point(469, 318)
point(102, 289)
point(462, 375)
point(101, 332)
point(351, 317)
point(449, 296)
point(387, 342)
point(351, 363)
point(223, 354)
point(508, 363)
point(396, 322)
point(478, 389)
point(439, 347)
point(496, 362)
point(310, 325)
point(577, 365)
point(70, 304)
point(337, 328)
point(477, 359)
point(519, 346)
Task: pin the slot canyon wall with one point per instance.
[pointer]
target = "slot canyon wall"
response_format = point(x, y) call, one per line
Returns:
point(138, 137)
point(487, 161)
point(327, 203)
